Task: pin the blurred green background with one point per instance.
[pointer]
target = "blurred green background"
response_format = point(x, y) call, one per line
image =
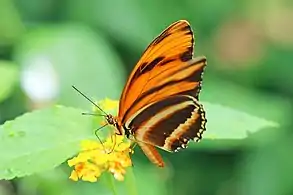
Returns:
point(47, 46)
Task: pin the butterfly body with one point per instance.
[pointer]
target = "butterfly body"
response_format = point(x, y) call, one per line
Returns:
point(159, 106)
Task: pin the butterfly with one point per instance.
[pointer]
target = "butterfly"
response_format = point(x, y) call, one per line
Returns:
point(159, 106)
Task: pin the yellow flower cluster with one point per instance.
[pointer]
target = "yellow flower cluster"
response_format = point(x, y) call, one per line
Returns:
point(108, 104)
point(96, 158)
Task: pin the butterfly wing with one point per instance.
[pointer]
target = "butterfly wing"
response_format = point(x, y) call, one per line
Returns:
point(151, 152)
point(159, 104)
point(174, 47)
point(170, 122)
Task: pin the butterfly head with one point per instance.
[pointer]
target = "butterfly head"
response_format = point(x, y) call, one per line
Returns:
point(112, 120)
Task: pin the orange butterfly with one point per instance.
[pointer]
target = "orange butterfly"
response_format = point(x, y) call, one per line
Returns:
point(159, 104)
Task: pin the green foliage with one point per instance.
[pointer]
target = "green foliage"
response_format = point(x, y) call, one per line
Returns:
point(94, 63)
point(44, 139)
point(130, 182)
point(228, 123)
point(11, 27)
point(248, 100)
point(8, 77)
point(262, 159)
point(41, 140)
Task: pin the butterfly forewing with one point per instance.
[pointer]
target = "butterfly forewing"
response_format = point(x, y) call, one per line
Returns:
point(171, 48)
point(184, 79)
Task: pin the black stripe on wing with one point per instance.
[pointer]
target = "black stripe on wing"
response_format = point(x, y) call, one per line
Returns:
point(169, 123)
point(191, 73)
point(195, 76)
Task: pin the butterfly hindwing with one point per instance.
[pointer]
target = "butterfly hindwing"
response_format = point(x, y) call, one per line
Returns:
point(169, 123)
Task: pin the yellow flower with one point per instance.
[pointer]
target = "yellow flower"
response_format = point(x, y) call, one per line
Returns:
point(96, 158)
point(113, 155)
point(109, 104)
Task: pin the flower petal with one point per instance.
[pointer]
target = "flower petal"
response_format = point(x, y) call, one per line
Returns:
point(73, 176)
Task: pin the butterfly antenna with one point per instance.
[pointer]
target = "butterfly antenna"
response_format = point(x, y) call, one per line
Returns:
point(93, 114)
point(89, 99)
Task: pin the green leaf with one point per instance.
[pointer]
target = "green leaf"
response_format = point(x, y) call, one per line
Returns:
point(228, 123)
point(130, 182)
point(108, 180)
point(41, 140)
point(8, 78)
point(11, 27)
